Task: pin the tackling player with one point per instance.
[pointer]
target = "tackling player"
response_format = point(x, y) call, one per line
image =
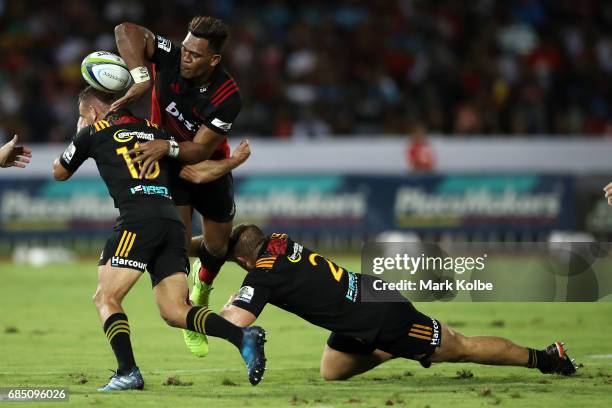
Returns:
point(14, 156)
point(195, 99)
point(148, 235)
point(364, 334)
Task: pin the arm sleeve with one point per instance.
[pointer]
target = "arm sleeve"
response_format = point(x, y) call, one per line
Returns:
point(165, 52)
point(220, 120)
point(253, 295)
point(78, 150)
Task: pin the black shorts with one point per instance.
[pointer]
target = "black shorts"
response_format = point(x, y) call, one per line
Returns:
point(214, 200)
point(155, 244)
point(405, 333)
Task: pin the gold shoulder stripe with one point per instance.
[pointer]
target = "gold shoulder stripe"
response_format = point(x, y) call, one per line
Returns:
point(420, 326)
point(265, 261)
point(269, 258)
point(97, 127)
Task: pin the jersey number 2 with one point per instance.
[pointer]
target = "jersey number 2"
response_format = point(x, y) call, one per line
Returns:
point(135, 173)
point(337, 273)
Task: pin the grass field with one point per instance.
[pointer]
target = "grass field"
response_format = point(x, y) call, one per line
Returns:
point(50, 336)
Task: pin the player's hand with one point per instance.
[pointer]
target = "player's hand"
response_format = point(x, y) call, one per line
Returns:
point(148, 154)
point(133, 94)
point(608, 190)
point(242, 153)
point(14, 156)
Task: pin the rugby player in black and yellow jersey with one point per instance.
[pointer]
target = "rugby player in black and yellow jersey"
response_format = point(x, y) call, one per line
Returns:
point(148, 235)
point(364, 334)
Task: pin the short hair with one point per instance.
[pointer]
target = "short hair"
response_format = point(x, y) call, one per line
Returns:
point(212, 29)
point(90, 93)
point(245, 241)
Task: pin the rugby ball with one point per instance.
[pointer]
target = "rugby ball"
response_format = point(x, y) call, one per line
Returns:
point(106, 72)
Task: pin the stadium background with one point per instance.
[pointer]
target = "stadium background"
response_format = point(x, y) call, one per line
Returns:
point(482, 121)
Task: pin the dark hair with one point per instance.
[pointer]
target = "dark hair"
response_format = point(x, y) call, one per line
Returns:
point(212, 29)
point(245, 241)
point(92, 93)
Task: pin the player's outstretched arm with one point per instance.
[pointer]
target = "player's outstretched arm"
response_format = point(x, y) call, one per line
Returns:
point(209, 170)
point(608, 193)
point(14, 156)
point(188, 152)
point(136, 45)
point(59, 172)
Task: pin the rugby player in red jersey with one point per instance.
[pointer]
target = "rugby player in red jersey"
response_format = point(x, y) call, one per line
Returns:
point(195, 99)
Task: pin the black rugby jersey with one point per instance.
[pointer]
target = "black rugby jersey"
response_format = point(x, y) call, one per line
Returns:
point(298, 280)
point(107, 142)
point(182, 108)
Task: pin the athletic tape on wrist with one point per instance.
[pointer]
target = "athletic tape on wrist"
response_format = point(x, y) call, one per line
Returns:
point(174, 149)
point(140, 74)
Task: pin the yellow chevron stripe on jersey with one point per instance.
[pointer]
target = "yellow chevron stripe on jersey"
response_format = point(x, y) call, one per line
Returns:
point(267, 262)
point(101, 124)
point(151, 124)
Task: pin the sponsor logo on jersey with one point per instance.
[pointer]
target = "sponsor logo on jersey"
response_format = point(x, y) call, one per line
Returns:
point(220, 124)
point(69, 152)
point(246, 294)
point(124, 136)
point(173, 110)
point(164, 43)
point(127, 263)
point(353, 287)
point(150, 190)
point(297, 253)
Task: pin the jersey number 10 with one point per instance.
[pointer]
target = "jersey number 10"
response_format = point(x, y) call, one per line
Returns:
point(135, 173)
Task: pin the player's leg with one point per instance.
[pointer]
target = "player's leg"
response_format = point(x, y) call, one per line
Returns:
point(345, 357)
point(455, 347)
point(170, 295)
point(197, 343)
point(215, 202)
point(113, 285)
point(212, 248)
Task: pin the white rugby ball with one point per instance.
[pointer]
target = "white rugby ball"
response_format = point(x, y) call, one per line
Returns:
point(106, 72)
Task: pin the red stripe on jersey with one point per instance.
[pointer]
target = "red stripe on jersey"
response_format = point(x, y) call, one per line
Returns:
point(219, 99)
point(221, 88)
point(156, 116)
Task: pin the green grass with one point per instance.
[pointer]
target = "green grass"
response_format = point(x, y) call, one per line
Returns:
point(50, 336)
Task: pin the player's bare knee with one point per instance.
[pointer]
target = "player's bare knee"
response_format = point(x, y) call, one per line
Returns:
point(103, 298)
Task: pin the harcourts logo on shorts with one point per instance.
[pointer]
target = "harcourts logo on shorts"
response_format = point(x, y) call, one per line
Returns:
point(127, 263)
point(435, 338)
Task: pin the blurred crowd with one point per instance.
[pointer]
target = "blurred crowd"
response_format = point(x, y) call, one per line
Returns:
point(312, 69)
